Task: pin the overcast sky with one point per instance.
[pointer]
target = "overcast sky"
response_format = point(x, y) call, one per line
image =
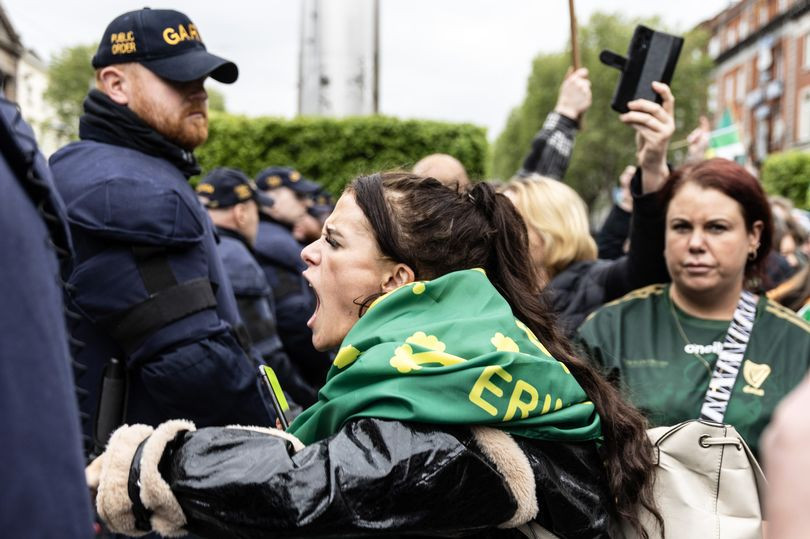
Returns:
point(455, 60)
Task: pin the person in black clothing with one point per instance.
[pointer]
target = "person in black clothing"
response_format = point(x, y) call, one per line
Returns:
point(612, 238)
point(563, 250)
point(233, 202)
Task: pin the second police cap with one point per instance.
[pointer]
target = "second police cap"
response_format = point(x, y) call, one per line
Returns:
point(273, 177)
point(225, 187)
point(164, 41)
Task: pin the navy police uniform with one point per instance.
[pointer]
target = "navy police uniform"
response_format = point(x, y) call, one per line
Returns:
point(44, 490)
point(279, 255)
point(224, 188)
point(148, 284)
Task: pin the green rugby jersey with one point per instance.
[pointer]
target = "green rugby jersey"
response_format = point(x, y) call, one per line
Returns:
point(660, 365)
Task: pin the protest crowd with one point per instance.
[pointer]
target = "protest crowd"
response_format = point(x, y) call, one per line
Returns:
point(449, 356)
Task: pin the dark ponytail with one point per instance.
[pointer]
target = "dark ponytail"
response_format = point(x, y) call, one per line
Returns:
point(436, 230)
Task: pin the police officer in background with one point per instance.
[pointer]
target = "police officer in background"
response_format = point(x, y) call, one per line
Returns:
point(44, 492)
point(279, 255)
point(319, 207)
point(148, 283)
point(233, 204)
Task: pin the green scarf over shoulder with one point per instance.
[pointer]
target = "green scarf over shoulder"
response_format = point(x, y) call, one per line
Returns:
point(449, 352)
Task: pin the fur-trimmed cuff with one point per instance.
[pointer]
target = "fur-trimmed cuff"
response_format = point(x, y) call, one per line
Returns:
point(167, 517)
point(297, 444)
point(514, 466)
point(112, 500)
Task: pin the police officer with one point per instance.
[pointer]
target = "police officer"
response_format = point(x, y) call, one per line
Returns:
point(44, 492)
point(319, 207)
point(148, 283)
point(279, 255)
point(233, 204)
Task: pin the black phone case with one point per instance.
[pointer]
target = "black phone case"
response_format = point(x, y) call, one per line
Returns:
point(651, 56)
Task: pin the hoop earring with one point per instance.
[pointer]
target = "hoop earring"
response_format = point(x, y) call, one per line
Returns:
point(752, 255)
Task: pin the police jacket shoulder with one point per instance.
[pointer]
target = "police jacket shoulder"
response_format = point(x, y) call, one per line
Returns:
point(125, 195)
point(373, 477)
point(44, 491)
point(247, 277)
point(275, 244)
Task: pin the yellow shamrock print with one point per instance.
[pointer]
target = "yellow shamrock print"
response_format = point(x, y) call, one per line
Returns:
point(405, 360)
point(346, 356)
point(503, 343)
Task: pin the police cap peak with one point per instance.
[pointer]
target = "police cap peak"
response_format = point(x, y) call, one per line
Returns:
point(273, 177)
point(225, 187)
point(164, 41)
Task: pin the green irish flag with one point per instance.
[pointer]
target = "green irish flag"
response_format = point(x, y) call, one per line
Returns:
point(725, 140)
point(449, 352)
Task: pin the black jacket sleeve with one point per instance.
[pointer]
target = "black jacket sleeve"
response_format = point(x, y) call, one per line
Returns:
point(373, 477)
point(644, 263)
point(614, 232)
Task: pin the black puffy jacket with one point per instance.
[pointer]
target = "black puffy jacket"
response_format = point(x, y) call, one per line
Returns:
point(374, 477)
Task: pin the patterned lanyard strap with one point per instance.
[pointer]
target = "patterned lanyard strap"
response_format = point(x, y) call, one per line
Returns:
point(729, 360)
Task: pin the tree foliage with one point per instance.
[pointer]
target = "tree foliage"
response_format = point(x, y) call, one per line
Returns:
point(605, 145)
point(216, 100)
point(334, 151)
point(788, 174)
point(70, 76)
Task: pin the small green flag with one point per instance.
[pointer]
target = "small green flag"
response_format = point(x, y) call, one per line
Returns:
point(725, 140)
point(449, 351)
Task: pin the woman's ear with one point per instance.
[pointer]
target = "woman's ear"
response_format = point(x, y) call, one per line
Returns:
point(400, 274)
point(755, 233)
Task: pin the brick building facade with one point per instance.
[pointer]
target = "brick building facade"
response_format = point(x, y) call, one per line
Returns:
point(761, 50)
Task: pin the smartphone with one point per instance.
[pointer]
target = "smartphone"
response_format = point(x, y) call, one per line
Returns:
point(651, 56)
point(276, 394)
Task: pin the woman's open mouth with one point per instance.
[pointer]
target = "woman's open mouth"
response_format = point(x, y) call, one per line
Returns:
point(311, 321)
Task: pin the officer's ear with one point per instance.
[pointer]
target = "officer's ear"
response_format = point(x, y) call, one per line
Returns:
point(116, 82)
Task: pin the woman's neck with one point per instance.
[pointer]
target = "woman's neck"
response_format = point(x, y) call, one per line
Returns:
point(712, 305)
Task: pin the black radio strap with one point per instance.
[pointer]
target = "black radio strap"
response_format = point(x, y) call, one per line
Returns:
point(168, 300)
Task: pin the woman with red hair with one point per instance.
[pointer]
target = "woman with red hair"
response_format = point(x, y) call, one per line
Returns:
point(706, 345)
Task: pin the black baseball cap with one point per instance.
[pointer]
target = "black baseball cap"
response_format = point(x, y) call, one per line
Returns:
point(273, 177)
point(164, 41)
point(225, 187)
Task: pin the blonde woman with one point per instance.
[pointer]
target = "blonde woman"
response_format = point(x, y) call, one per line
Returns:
point(562, 250)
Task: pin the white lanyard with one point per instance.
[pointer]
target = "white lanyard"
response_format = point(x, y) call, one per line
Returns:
point(729, 360)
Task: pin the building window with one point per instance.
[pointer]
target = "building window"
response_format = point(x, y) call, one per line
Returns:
point(807, 50)
point(804, 114)
point(741, 89)
point(714, 47)
point(728, 98)
point(763, 15)
point(711, 98)
point(743, 27)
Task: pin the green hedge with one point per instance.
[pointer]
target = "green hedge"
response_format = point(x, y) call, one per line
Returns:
point(788, 174)
point(334, 151)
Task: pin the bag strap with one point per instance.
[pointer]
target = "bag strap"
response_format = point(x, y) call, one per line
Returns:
point(729, 360)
